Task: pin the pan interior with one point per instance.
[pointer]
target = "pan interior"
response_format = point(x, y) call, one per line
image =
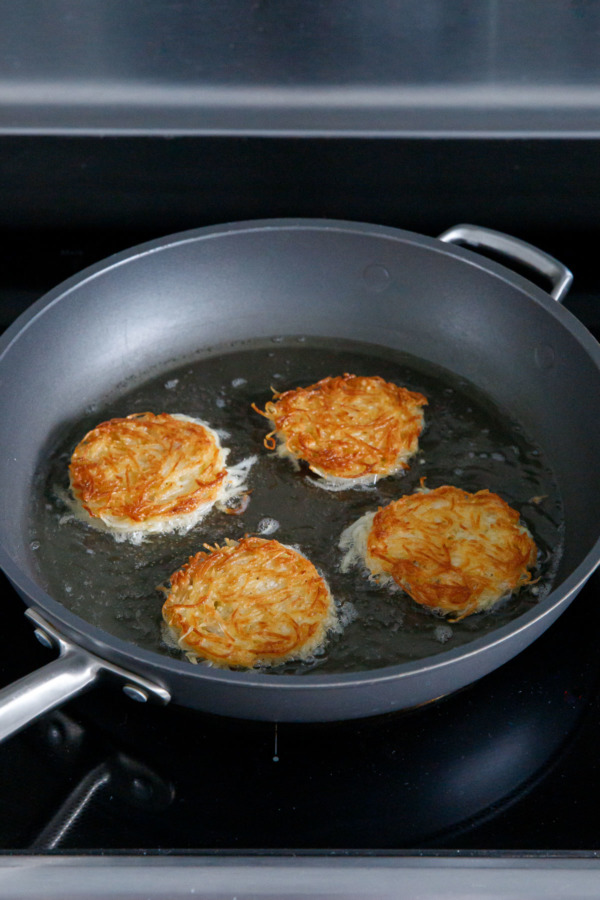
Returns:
point(468, 442)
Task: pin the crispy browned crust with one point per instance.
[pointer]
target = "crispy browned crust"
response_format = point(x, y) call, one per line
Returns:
point(248, 603)
point(146, 466)
point(451, 550)
point(348, 426)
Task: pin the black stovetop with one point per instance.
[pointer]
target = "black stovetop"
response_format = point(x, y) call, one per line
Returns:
point(509, 763)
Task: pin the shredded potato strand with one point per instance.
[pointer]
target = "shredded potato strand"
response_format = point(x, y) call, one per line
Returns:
point(451, 550)
point(248, 603)
point(348, 426)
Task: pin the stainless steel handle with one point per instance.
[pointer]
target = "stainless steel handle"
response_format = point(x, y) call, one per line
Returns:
point(73, 672)
point(36, 694)
point(476, 237)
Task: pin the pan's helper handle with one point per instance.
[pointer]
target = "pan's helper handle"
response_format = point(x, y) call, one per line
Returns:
point(73, 672)
point(476, 237)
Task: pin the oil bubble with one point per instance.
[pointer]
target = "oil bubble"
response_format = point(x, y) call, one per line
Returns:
point(267, 525)
point(442, 633)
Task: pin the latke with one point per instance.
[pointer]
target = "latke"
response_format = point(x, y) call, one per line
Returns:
point(350, 429)
point(248, 603)
point(450, 550)
point(149, 473)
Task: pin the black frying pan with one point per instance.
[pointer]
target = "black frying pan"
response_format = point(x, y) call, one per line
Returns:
point(209, 293)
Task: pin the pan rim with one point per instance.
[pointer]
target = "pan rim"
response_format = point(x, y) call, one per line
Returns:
point(157, 245)
point(95, 638)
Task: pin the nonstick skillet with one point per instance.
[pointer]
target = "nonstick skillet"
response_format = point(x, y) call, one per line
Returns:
point(208, 293)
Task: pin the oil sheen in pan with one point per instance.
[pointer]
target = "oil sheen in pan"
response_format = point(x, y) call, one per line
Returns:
point(467, 442)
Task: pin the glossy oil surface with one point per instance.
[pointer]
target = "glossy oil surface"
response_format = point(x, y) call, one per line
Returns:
point(467, 442)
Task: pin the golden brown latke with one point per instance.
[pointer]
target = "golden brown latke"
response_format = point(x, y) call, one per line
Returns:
point(349, 426)
point(147, 470)
point(252, 602)
point(451, 550)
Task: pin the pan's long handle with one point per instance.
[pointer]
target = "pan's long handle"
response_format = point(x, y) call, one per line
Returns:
point(36, 694)
point(477, 237)
point(73, 672)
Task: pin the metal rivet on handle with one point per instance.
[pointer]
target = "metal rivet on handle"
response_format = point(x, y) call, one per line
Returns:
point(135, 693)
point(44, 639)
